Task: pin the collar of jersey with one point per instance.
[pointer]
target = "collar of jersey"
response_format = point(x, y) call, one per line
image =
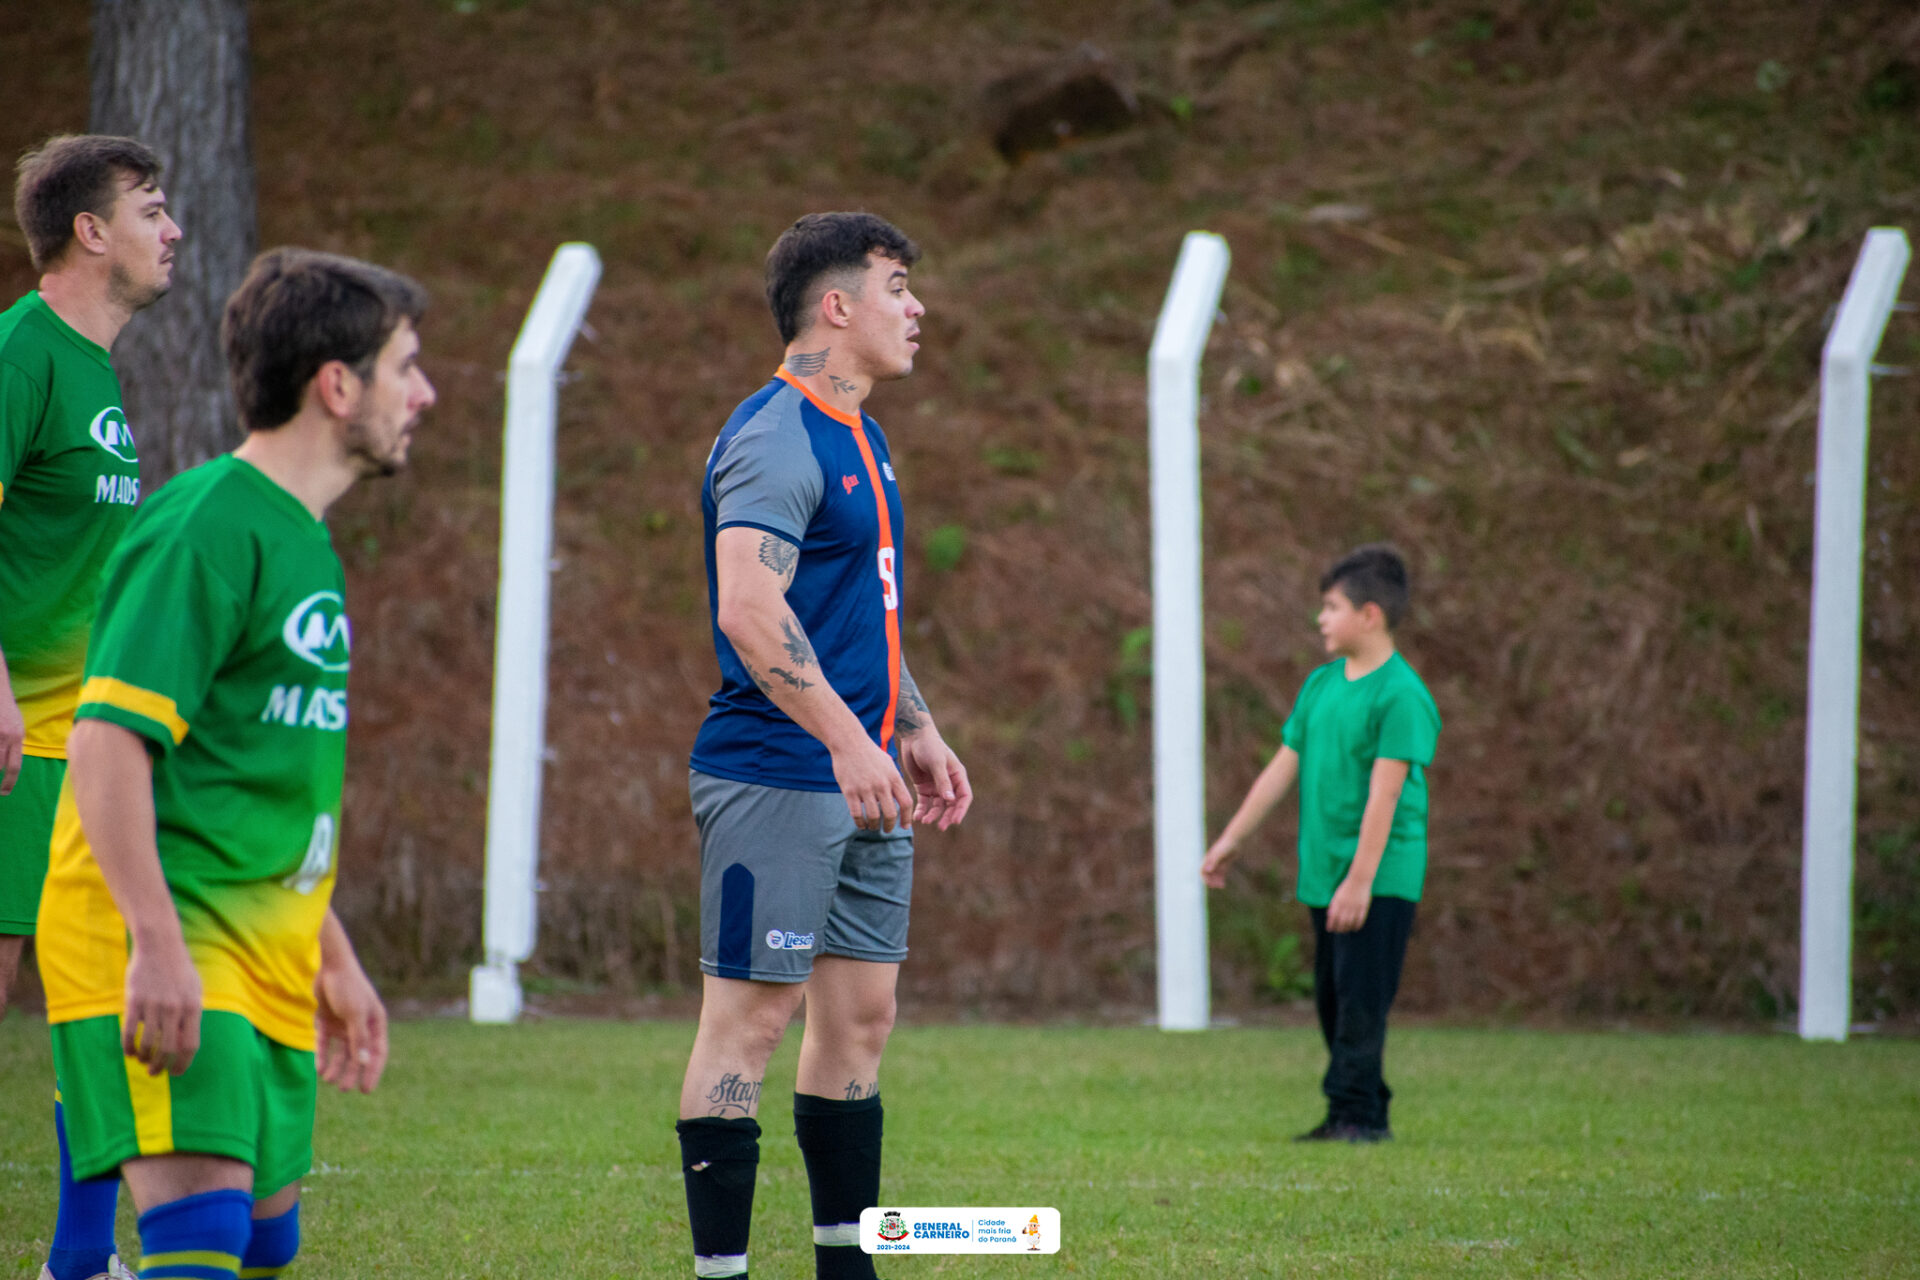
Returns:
point(838, 415)
point(73, 335)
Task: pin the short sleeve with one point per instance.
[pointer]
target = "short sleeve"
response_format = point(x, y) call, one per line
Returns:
point(769, 479)
point(1409, 727)
point(1293, 733)
point(22, 403)
point(167, 622)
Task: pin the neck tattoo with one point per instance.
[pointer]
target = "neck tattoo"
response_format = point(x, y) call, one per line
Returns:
point(808, 363)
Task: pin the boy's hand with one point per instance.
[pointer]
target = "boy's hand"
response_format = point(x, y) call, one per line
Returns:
point(1348, 910)
point(1213, 867)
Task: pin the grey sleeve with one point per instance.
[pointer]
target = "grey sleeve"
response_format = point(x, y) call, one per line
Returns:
point(768, 478)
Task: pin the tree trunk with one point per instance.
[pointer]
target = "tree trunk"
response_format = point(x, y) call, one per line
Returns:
point(174, 74)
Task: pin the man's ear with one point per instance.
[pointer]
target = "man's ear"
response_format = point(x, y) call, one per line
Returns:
point(834, 310)
point(1375, 616)
point(90, 232)
point(337, 388)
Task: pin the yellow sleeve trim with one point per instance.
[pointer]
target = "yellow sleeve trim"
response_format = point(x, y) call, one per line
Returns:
point(157, 707)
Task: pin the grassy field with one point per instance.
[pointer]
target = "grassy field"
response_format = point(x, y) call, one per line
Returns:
point(547, 1150)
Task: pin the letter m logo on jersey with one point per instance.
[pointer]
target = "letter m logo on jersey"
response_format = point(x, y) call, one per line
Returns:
point(110, 431)
point(317, 632)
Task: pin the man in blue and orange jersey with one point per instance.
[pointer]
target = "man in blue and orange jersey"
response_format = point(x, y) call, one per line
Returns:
point(806, 852)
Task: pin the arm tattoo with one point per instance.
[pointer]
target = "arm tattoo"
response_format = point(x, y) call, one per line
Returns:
point(857, 1092)
point(799, 648)
point(912, 715)
point(808, 363)
point(733, 1096)
point(759, 681)
point(842, 385)
point(794, 682)
point(780, 556)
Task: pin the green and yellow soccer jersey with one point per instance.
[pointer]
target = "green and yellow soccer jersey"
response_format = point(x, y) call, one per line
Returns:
point(69, 480)
point(222, 640)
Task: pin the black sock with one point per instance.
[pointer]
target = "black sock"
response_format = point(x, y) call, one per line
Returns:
point(840, 1142)
point(719, 1159)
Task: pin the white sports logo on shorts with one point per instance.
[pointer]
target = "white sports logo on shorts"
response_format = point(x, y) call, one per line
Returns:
point(780, 940)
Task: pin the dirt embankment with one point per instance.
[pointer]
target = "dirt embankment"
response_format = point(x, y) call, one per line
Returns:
point(1539, 296)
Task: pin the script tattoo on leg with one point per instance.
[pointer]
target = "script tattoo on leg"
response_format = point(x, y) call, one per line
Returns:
point(733, 1095)
point(857, 1092)
point(808, 363)
point(780, 556)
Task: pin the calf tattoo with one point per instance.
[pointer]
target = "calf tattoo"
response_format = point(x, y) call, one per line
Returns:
point(733, 1096)
point(857, 1092)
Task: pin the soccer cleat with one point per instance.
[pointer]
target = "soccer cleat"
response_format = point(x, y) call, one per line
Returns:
point(116, 1270)
point(1361, 1134)
point(1322, 1132)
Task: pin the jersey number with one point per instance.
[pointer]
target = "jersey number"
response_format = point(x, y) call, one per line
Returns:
point(889, 592)
point(319, 859)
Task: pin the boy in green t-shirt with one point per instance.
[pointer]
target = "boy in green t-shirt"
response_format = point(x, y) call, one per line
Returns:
point(1359, 741)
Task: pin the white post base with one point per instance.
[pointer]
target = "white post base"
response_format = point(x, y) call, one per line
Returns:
point(494, 993)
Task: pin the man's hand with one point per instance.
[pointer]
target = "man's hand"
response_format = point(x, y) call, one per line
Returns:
point(1348, 910)
point(1213, 867)
point(13, 737)
point(351, 1026)
point(876, 795)
point(162, 1024)
point(939, 778)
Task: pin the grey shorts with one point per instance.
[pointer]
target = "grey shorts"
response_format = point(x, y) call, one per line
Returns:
point(786, 876)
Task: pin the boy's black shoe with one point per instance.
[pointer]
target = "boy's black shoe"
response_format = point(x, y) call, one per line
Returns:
point(1325, 1131)
point(1360, 1133)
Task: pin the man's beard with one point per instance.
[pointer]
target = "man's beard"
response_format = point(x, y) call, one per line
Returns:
point(361, 452)
point(134, 297)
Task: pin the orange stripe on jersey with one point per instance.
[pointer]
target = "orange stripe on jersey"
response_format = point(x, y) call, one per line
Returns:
point(838, 415)
point(887, 555)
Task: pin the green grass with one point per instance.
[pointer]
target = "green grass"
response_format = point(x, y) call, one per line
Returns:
point(547, 1150)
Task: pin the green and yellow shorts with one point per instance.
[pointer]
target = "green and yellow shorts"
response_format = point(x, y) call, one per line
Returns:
point(244, 1097)
point(26, 830)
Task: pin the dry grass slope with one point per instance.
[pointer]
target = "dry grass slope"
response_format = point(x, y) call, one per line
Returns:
point(1535, 291)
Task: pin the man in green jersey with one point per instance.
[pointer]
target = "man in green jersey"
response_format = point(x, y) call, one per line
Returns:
point(1359, 739)
point(198, 982)
point(97, 229)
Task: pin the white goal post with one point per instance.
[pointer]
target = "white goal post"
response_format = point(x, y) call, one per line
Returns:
point(1833, 650)
point(1179, 674)
point(520, 630)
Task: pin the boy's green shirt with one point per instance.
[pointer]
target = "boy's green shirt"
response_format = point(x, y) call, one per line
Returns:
point(1340, 727)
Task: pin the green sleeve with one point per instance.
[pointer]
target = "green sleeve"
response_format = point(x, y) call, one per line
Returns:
point(1409, 727)
point(22, 402)
point(167, 622)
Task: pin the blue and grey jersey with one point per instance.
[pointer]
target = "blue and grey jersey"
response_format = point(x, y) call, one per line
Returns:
point(823, 480)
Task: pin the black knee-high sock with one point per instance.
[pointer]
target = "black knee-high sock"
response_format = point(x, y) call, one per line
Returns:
point(720, 1159)
point(840, 1142)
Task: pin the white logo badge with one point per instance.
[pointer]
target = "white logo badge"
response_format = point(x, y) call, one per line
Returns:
point(319, 859)
point(317, 632)
point(110, 432)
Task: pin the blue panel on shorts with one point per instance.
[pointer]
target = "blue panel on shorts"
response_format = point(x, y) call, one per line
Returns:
point(736, 923)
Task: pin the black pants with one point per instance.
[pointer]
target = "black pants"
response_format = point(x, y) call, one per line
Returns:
point(1355, 977)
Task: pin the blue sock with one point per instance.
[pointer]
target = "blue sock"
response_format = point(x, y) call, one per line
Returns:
point(83, 1233)
point(197, 1237)
point(275, 1241)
